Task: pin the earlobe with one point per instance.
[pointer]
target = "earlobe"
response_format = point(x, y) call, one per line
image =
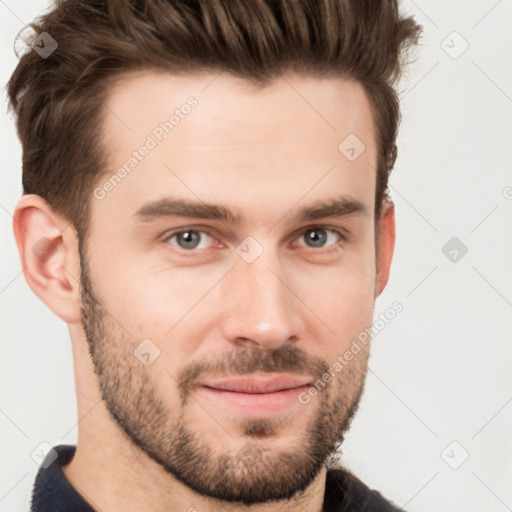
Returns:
point(386, 245)
point(49, 256)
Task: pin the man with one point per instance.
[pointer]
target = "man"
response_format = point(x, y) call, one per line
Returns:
point(205, 207)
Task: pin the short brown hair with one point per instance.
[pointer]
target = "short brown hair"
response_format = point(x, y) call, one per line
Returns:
point(59, 100)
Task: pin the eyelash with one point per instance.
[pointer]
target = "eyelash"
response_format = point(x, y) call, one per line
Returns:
point(342, 234)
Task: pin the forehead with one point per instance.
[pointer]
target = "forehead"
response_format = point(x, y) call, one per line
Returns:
point(234, 110)
point(219, 138)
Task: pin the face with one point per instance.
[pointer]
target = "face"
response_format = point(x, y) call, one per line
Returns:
point(228, 269)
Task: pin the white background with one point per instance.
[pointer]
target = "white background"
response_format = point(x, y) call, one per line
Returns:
point(440, 372)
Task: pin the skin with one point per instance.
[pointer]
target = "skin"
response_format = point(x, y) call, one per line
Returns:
point(267, 154)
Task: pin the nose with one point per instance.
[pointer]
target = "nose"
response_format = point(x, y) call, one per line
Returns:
point(261, 309)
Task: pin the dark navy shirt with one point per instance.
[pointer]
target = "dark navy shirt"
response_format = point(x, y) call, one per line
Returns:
point(53, 493)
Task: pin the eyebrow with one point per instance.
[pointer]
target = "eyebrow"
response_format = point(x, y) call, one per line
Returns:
point(169, 207)
point(337, 207)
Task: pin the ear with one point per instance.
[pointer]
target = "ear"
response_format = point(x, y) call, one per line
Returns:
point(48, 249)
point(386, 245)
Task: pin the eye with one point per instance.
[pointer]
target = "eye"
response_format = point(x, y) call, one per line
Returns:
point(320, 237)
point(190, 239)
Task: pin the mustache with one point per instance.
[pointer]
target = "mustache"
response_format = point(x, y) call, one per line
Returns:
point(289, 359)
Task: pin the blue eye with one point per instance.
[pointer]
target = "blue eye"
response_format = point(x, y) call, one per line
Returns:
point(319, 237)
point(190, 239)
point(196, 239)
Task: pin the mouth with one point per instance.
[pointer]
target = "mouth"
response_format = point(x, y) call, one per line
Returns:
point(257, 396)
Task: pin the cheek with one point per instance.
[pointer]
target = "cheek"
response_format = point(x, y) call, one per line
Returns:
point(342, 299)
point(154, 298)
point(346, 303)
point(343, 290)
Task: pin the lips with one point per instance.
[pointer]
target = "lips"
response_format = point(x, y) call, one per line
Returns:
point(258, 385)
